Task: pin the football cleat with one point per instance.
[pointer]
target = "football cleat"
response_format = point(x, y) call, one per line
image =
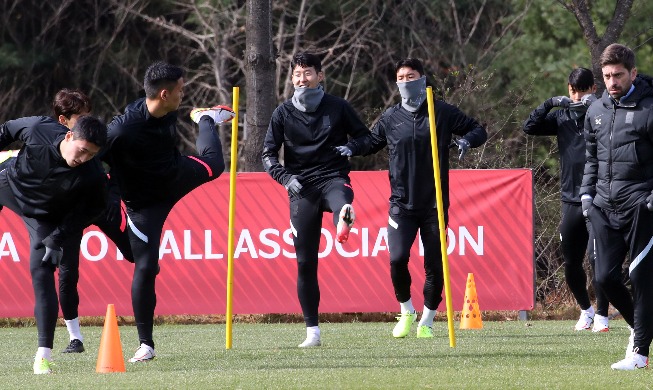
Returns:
point(632, 362)
point(219, 114)
point(311, 341)
point(345, 223)
point(600, 324)
point(75, 346)
point(424, 332)
point(403, 326)
point(585, 320)
point(42, 366)
point(143, 353)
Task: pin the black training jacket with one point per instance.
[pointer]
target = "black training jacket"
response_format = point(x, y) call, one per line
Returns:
point(571, 146)
point(142, 153)
point(44, 186)
point(309, 140)
point(408, 138)
point(619, 167)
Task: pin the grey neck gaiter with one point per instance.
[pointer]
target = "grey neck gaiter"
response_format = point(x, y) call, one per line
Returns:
point(412, 93)
point(307, 99)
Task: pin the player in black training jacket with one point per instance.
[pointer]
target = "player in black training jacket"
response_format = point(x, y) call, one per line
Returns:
point(153, 175)
point(309, 126)
point(404, 129)
point(57, 188)
point(567, 125)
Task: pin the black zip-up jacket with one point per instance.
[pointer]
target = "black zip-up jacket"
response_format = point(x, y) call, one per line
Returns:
point(571, 145)
point(44, 186)
point(142, 153)
point(309, 140)
point(408, 138)
point(619, 167)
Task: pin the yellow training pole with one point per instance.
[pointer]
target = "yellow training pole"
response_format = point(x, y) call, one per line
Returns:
point(440, 206)
point(232, 212)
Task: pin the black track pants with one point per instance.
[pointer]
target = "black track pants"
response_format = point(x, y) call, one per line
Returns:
point(402, 231)
point(306, 223)
point(575, 238)
point(146, 223)
point(616, 235)
point(46, 303)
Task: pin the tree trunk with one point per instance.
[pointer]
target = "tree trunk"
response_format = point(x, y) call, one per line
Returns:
point(582, 10)
point(260, 70)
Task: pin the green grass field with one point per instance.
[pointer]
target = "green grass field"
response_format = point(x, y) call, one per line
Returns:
point(503, 355)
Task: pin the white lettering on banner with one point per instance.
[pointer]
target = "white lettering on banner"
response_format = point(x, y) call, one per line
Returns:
point(276, 248)
point(187, 247)
point(341, 251)
point(169, 239)
point(207, 247)
point(245, 237)
point(381, 243)
point(287, 238)
point(464, 237)
point(7, 247)
point(104, 246)
point(329, 244)
point(271, 244)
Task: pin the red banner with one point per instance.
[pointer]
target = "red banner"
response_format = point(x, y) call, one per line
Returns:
point(490, 235)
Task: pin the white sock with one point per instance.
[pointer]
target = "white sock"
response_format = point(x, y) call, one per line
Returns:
point(427, 317)
point(73, 329)
point(407, 307)
point(43, 352)
point(312, 332)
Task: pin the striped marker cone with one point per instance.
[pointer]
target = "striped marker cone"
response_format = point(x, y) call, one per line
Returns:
point(470, 318)
point(110, 358)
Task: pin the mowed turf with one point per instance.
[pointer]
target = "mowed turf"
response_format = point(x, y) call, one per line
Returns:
point(503, 355)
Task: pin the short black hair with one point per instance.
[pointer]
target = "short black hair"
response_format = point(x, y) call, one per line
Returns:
point(581, 79)
point(90, 129)
point(412, 63)
point(306, 60)
point(69, 102)
point(160, 75)
point(616, 54)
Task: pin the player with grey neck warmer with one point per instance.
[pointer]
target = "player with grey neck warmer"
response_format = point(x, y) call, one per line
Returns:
point(306, 99)
point(309, 126)
point(404, 129)
point(413, 93)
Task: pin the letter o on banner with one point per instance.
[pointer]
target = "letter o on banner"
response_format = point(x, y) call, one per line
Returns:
point(104, 245)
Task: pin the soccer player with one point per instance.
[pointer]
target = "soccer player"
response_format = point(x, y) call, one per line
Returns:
point(567, 125)
point(309, 126)
point(152, 175)
point(57, 187)
point(616, 194)
point(404, 128)
point(68, 105)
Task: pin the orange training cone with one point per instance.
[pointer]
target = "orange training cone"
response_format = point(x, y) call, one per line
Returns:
point(110, 358)
point(470, 318)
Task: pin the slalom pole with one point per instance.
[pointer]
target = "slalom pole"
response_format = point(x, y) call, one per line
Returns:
point(232, 212)
point(440, 207)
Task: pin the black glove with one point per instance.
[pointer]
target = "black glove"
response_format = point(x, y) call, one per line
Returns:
point(113, 212)
point(463, 147)
point(649, 201)
point(559, 101)
point(586, 203)
point(293, 185)
point(53, 252)
point(343, 151)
